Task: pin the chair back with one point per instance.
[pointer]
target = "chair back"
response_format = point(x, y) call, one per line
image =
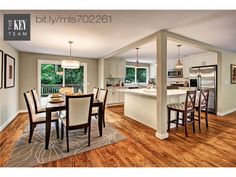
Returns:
point(30, 105)
point(203, 99)
point(190, 100)
point(95, 92)
point(102, 96)
point(36, 100)
point(78, 109)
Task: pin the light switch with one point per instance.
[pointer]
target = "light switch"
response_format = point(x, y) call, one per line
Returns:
point(226, 82)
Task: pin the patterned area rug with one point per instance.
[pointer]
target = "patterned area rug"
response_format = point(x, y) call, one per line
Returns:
point(33, 154)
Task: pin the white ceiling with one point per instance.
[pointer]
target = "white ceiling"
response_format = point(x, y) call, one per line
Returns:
point(147, 52)
point(97, 40)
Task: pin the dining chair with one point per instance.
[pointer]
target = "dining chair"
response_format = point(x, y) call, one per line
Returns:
point(95, 92)
point(202, 105)
point(38, 106)
point(102, 96)
point(78, 115)
point(38, 118)
point(187, 109)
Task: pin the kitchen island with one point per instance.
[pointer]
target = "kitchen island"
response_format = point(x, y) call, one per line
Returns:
point(141, 104)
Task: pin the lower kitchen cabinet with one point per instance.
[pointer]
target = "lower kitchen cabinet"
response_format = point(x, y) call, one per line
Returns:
point(114, 96)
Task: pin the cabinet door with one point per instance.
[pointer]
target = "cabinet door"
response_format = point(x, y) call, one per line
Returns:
point(122, 97)
point(211, 59)
point(186, 65)
point(153, 70)
point(113, 69)
point(121, 71)
point(109, 97)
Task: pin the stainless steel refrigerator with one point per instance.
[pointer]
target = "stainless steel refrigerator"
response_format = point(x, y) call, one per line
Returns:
point(205, 77)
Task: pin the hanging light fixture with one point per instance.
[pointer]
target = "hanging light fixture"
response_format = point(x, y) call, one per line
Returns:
point(70, 64)
point(178, 65)
point(137, 62)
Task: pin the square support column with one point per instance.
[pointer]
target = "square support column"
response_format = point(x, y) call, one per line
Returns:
point(161, 129)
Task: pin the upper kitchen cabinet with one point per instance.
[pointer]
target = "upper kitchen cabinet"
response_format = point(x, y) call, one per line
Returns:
point(202, 59)
point(153, 70)
point(115, 68)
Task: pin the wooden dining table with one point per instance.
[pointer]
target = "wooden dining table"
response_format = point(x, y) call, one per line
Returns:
point(54, 107)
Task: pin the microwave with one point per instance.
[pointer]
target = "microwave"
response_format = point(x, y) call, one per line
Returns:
point(175, 73)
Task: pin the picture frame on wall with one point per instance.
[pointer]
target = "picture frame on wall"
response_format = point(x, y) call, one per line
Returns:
point(9, 70)
point(1, 69)
point(233, 73)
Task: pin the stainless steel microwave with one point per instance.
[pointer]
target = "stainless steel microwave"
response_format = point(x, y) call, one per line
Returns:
point(175, 73)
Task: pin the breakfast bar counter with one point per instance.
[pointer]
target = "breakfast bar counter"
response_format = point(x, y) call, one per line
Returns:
point(141, 104)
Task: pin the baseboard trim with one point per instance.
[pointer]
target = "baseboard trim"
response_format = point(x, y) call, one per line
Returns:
point(162, 136)
point(226, 112)
point(9, 121)
point(22, 111)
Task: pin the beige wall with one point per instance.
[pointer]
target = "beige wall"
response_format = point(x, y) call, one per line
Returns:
point(28, 72)
point(9, 97)
point(227, 101)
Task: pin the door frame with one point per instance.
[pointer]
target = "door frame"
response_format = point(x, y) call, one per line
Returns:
point(42, 61)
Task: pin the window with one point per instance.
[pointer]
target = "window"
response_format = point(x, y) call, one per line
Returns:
point(136, 75)
point(130, 75)
point(51, 77)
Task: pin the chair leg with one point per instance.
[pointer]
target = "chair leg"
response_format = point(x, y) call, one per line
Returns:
point(57, 128)
point(31, 133)
point(199, 118)
point(177, 119)
point(103, 120)
point(62, 131)
point(67, 139)
point(206, 115)
point(89, 135)
point(193, 119)
point(85, 130)
point(168, 122)
point(185, 123)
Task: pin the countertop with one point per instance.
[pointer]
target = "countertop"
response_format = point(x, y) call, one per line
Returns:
point(152, 92)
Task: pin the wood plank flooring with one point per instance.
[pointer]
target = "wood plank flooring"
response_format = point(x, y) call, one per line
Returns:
point(215, 147)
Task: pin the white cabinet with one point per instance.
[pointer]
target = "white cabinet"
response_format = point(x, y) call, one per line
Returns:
point(153, 70)
point(187, 63)
point(114, 96)
point(115, 68)
point(204, 59)
point(121, 68)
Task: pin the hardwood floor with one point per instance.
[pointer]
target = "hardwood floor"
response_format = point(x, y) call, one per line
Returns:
point(213, 147)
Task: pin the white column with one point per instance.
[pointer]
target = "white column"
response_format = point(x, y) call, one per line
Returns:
point(161, 129)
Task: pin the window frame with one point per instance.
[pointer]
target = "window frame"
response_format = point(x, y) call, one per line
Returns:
point(135, 74)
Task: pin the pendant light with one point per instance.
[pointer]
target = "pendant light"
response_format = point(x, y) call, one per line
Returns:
point(70, 64)
point(178, 65)
point(137, 62)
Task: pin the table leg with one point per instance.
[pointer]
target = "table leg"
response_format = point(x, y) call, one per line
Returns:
point(100, 120)
point(47, 129)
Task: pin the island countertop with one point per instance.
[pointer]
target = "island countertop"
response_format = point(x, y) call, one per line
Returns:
point(153, 92)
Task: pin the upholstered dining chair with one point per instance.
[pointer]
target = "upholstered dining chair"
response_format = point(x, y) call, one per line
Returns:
point(187, 109)
point(40, 118)
point(38, 106)
point(102, 96)
point(202, 105)
point(95, 92)
point(78, 115)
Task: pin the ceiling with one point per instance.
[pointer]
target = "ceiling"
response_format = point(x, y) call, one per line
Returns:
point(98, 40)
point(147, 52)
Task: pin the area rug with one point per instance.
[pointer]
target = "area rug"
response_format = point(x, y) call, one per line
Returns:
point(33, 154)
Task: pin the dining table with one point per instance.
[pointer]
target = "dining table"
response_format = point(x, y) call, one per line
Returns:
point(55, 107)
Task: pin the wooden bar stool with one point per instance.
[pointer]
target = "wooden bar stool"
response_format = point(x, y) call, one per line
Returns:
point(202, 105)
point(187, 109)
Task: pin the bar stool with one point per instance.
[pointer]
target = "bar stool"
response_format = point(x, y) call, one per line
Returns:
point(187, 109)
point(202, 105)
